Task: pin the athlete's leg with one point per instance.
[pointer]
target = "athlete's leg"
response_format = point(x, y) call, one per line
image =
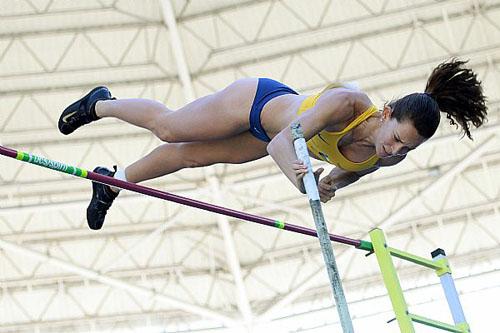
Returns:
point(136, 111)
point(219, 115)
point(171, 157)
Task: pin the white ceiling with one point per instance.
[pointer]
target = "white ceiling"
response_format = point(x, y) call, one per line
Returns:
point(160, 264)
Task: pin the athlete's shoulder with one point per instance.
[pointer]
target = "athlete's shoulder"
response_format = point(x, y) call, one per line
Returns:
point(344, 103)
point(336, 104)
point(354, 96)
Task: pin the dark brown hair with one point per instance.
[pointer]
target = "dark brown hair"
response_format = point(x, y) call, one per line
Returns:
point(452, 89)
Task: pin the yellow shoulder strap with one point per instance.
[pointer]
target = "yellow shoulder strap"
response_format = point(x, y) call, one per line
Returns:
point(330, 86)
point(365, 115)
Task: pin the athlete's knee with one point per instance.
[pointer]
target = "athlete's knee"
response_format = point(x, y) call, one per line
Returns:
point(162, 132)
point(192, 157)
point(162, 129)
point(195, 163)
point(157, 121)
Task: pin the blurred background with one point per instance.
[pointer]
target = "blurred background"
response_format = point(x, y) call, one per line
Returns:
point(161, 267)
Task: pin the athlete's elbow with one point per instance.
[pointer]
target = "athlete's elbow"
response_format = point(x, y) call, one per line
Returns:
point(270, 148)
point(273, 146)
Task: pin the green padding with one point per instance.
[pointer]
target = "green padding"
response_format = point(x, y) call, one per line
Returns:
point(22, 156)
point(445, 267)
point(45, 162)
point(366, 245)
point(279, 224)
point(464, 327)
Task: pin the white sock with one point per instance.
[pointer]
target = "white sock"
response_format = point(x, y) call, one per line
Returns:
point(119, 174)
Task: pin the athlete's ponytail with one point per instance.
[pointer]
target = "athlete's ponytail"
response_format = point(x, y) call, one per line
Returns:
point(459, 94)
point(452, 89)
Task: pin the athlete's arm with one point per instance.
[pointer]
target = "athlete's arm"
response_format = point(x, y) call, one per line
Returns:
point(338, 178)
point(332, 107)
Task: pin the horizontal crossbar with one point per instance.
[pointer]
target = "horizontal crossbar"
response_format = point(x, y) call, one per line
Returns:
point(82, 173)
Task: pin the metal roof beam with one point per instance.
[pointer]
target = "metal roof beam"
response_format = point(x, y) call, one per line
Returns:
point(149, 293)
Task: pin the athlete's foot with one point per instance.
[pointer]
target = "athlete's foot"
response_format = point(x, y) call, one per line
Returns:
point(82, 111)
point(102, 198)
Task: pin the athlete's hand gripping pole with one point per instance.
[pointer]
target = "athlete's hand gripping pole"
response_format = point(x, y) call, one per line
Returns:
point(326, 246)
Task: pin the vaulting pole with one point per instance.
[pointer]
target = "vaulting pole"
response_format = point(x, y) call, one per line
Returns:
point(82, 173)
point(326, 246)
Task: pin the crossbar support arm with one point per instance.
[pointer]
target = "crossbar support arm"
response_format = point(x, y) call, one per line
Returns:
point(450, 291)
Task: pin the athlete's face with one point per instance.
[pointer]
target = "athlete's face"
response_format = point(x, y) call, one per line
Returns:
point(396, 138)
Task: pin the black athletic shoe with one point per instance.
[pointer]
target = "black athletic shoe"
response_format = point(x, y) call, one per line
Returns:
point(82, 111)
point(102, 198)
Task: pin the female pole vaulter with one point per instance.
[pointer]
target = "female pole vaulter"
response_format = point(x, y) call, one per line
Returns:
point(251, 118)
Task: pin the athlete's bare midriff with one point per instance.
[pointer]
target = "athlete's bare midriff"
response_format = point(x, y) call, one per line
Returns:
point(280, 112)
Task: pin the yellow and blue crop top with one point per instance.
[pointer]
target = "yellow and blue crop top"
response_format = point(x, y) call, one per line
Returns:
point(325, 144)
